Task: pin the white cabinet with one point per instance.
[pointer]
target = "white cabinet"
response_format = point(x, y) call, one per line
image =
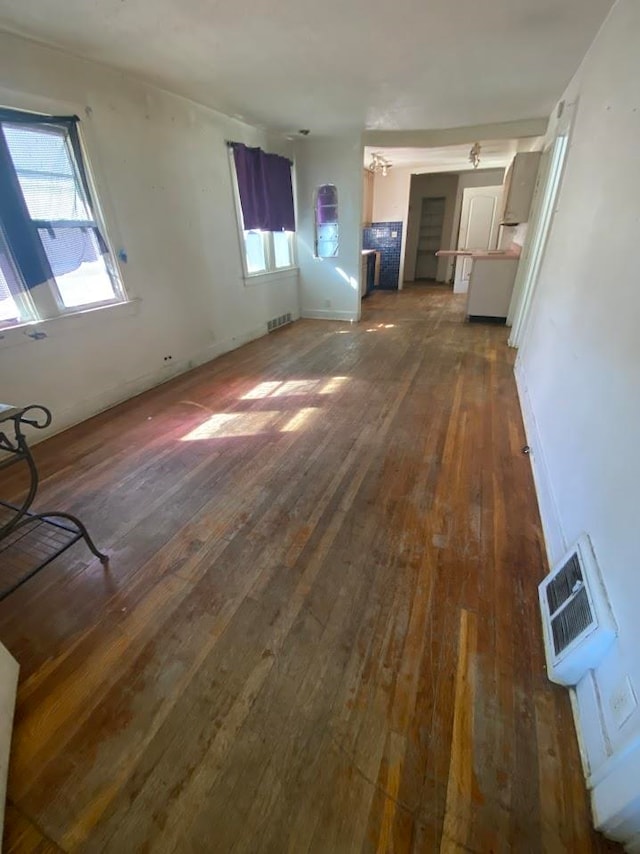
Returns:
point(519, 184)
point(490, 287)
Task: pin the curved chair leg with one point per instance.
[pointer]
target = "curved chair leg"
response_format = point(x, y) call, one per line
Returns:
point(103, 558)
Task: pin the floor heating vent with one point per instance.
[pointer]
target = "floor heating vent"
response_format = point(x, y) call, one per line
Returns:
point(577, 621)
point(277, 322)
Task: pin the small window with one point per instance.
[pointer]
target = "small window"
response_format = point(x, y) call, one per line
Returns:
point(255, 251)
point(264, 199)
point(50, 234)
point(326, 219)
point(267, 251)
point(283, 249)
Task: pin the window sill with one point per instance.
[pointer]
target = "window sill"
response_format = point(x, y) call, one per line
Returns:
point(36, 330)
point(258, 278)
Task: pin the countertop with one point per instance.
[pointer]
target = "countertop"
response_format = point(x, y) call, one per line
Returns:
point(481, 254)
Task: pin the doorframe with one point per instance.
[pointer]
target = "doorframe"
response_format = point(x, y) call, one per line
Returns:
point(544, 209)
point(424, 199)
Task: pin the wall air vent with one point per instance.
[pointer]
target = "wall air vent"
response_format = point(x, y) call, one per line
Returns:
point(277, 322)
point(577, 622)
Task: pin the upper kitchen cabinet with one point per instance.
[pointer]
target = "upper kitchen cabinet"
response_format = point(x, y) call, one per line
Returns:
point(519, 184)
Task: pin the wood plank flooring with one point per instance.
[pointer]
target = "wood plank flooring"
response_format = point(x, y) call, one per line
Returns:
point(319, 631)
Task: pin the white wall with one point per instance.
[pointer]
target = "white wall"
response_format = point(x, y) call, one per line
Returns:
point(367, 197)
point(162, 172)
point(579, 375)
point(330, 287)
point(391, 204)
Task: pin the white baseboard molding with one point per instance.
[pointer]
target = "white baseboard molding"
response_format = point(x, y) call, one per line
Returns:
point(329, 314)
point(554, 537)
point(616, 801)
point(87, 408)
point(8, 686)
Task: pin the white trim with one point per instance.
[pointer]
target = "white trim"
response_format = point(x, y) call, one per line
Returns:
point(25, 333)
point(49, 304)
point(329, 314)
point(555, 540)
point(614, 801)
point(282, 273)
point(575, 712)
point(88, 407)
point(544, 206)
point(98, 184)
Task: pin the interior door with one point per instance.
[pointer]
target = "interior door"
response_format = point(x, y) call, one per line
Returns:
point(479, 224)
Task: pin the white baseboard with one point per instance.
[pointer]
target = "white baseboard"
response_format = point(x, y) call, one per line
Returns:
point(87, 408)
point(615, 800)
point(554, 537)
point(329, 314)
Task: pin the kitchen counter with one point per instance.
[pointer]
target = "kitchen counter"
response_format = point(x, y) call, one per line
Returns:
point(481, 254)
point(490, 285)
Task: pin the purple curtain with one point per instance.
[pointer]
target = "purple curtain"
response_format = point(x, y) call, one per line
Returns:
point(266, 192)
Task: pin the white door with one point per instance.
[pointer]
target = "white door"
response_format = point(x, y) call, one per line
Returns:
point(479, 223)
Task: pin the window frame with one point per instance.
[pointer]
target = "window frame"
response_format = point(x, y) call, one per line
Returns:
point(317, 225)
point(267, 237)
point(45, 302)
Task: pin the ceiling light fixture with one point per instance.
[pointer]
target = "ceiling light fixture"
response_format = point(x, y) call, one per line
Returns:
point(474, 154)
point(379, 164)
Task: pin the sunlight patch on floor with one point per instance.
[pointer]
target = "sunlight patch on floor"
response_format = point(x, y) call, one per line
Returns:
point(226, 424)
point(294, 387)
point(300, 419)
point(333, 385)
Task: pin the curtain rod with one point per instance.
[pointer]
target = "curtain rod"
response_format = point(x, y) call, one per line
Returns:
point(230, 143)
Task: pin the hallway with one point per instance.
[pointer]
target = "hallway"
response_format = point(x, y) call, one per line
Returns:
point(320, 628)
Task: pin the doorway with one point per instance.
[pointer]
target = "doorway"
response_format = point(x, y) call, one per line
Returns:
point(429, 237)
point(547, 192)
point(479, 224)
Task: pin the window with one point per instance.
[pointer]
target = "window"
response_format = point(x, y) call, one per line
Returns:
point(53, 256)
point(268, 251)
point(326, 219)
point(264, 202)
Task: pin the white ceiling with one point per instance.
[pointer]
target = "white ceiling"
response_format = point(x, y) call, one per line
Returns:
point(335, 64)
point(494, 154)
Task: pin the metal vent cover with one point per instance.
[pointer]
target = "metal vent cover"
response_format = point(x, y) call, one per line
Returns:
point(571, 621)
point(276, 322)
point(577, 623)
point(564, 584)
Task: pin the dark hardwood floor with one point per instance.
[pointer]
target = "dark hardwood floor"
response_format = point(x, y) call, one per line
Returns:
point(319, 630)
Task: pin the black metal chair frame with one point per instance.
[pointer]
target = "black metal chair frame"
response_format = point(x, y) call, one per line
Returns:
point(13, 442)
